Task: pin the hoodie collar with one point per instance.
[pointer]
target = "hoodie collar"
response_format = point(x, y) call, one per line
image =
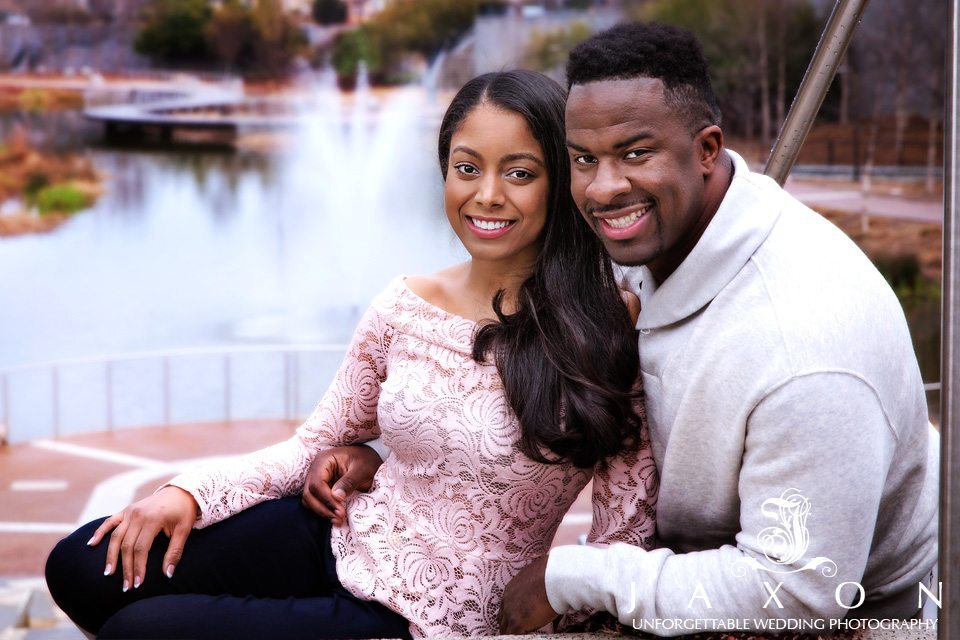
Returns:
point(745, 218)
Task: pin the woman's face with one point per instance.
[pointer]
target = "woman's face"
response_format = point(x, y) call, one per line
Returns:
point(496, 188)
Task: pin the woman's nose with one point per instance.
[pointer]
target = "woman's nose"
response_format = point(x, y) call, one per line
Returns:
point(489, 192)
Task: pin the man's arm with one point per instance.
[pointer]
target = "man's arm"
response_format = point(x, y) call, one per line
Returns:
point(824, 435)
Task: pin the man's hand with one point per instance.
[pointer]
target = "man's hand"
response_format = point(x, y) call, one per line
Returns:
point(525, 607)
point(336, 473)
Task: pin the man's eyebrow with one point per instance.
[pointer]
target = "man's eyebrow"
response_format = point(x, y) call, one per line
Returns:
point(616, 145)
point(522, 156)
point(635, 138)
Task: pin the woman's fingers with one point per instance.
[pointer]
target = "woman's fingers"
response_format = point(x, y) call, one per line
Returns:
point(105, 527)
point(113, 548)
point(141, 549)
point(178, 539)
point(130, 533)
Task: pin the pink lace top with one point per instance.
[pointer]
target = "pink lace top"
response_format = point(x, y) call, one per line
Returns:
point(456, 510)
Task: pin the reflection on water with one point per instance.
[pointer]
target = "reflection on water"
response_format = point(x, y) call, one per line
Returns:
point(189, 248)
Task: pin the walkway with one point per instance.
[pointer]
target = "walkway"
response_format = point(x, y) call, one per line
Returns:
point(848, 196)
point(49, 487)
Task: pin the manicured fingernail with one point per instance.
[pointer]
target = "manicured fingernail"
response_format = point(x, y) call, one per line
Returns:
point(170, 570)
point(90, 542)
point(136, 582)
point(126, 586)
point(108, 570)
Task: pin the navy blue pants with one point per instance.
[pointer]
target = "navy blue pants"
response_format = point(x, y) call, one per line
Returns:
point(267, 572)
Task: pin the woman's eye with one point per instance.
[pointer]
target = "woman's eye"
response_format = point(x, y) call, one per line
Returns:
point(466, 169)
point(520, 174)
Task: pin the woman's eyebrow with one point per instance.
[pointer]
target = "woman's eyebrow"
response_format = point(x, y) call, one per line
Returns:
point(466, 150)
point(511, 157)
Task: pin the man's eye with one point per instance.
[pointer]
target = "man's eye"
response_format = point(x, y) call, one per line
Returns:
point(634, 154)
point(585, 160)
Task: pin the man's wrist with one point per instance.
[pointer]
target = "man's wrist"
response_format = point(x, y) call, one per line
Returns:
point(378, 445)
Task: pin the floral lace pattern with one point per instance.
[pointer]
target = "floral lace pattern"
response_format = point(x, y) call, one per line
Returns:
point(456, 510)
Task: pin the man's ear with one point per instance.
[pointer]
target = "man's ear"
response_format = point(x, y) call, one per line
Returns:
point(709, 142)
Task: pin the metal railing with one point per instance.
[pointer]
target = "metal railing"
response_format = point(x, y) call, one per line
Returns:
point(164, 387)
point(949, 625)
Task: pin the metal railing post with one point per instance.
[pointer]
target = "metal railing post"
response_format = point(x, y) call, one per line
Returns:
point(949, 568)
point(108, 372)
point(55, 391)
point(226, 388)
point(5, 399)
point(816, 81)
point(166, 392)
point(295, 363)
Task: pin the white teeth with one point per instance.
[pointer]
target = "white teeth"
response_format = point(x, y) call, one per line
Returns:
point(627, 220)
point(489, 225)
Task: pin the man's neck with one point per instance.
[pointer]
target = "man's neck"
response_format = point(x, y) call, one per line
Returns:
point(715, 188)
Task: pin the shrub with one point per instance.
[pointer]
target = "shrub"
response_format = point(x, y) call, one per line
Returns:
point(901, 271)
point(35, 182)
point(60, 198)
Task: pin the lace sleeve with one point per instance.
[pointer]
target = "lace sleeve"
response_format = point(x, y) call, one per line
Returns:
point(625, 491)
point(625, 497)
point(347, 414)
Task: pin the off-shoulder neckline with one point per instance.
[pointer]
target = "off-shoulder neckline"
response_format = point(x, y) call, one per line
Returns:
point(438, 309)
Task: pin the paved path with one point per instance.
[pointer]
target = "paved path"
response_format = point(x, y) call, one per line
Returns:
point(49, 487)
point(847, 196)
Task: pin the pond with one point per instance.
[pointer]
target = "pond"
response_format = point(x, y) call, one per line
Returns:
point(207, 246)
point(203, 246)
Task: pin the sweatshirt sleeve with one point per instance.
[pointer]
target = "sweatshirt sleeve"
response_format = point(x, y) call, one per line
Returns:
point(816, 453)
point(347, 414)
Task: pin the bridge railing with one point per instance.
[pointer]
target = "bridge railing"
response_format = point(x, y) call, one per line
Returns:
point(161, 388)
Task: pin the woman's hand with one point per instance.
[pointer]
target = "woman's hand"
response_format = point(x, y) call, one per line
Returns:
point(336, 473)
point(171, 510)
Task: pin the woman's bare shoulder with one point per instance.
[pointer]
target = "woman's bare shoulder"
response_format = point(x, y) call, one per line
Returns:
point(436, 288)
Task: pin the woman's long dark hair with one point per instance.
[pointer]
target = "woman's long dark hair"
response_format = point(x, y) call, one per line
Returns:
point(568, 354)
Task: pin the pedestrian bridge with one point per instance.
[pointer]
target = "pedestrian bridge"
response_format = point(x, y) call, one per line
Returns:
point(206, 106)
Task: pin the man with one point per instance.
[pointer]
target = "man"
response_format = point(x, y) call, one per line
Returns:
point(786, 408)
point(798, 470)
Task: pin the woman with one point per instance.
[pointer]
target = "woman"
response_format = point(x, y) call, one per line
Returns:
point(500, 384)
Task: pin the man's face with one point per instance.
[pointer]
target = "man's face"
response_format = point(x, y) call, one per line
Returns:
point(637, 174)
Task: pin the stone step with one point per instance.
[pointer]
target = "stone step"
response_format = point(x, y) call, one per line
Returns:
point(27, 612)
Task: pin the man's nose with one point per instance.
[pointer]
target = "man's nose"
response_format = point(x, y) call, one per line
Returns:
point(608, 183)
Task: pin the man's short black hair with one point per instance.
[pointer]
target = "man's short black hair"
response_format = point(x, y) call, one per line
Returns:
point(650, 50)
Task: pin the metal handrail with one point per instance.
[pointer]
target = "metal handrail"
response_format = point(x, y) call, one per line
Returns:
point(106, 366)
point(826, 59)
point(949, 622)
point(823, 67)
